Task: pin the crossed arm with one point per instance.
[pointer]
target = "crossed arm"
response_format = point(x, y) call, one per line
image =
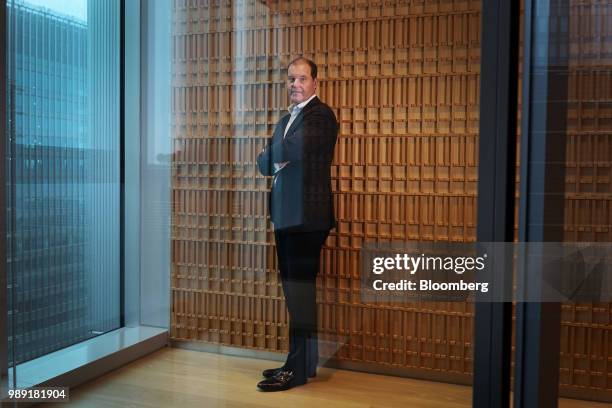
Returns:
point(310, 141)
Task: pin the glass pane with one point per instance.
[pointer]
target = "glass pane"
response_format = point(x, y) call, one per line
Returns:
point(586, 329)
point(402, 79)
point(572, 39)
point(63, 173)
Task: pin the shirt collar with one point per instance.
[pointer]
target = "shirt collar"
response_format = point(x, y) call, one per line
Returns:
point(301, 105)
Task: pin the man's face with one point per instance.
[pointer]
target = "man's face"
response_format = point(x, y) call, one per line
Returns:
point(300, 84)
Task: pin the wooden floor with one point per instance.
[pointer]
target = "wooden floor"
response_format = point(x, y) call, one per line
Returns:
point(182, 378)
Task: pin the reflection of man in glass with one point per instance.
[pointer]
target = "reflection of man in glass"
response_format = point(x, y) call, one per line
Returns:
point(298, 156)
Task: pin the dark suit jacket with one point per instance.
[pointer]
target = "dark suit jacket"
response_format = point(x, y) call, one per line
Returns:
point(301, 197)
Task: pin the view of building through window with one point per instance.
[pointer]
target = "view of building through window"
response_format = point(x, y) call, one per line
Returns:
point(63, 192)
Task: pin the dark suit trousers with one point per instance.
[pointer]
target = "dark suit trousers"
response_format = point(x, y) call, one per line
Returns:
point(298, 258)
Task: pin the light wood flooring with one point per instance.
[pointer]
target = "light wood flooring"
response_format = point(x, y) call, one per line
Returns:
point(181, 378)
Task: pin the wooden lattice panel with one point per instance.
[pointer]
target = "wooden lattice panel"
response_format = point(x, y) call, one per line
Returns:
point(586, 329)
point(403, 80)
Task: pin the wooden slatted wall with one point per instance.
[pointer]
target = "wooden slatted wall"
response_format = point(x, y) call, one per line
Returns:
point(403, 79)
point(586, 330)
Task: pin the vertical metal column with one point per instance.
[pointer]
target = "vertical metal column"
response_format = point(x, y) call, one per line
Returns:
point(130, 168)
point(122, 163)
point(496, 186)
point(542, 200)
point(3, 134)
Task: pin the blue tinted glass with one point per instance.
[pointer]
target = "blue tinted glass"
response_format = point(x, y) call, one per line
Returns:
point(63, 195)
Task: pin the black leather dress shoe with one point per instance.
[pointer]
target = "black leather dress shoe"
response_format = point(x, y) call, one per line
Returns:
point(282, 381)
point(271, 372)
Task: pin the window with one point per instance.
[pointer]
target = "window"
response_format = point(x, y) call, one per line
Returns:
point(63, 176)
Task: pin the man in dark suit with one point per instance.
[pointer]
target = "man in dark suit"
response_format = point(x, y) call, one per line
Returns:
point(298, 156)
